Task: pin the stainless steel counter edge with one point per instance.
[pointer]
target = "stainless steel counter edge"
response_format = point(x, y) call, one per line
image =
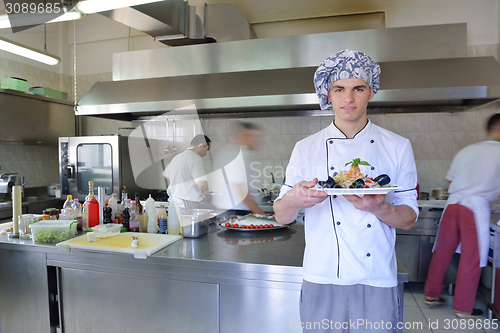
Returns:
point(212, 258)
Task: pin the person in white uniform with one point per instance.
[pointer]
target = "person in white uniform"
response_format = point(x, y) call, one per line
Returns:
point(237, 192)
point(350, 266)
point(187, 179)
point(475, 182)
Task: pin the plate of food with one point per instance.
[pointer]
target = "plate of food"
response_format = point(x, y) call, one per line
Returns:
point(249, 223)
point(352, 181)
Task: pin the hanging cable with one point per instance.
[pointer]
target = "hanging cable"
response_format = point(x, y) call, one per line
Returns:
point(74, 63)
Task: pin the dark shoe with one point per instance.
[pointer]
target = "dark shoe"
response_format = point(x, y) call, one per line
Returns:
point(476, 313)
point(438, 301)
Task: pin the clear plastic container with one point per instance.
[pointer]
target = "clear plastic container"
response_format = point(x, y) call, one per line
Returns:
point(107, 230)
point(52, 232)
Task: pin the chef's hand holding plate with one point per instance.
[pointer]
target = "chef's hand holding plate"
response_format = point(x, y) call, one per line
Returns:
point(303, 196)
point(368, 203)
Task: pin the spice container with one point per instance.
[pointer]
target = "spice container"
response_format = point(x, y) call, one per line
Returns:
point(51, 214)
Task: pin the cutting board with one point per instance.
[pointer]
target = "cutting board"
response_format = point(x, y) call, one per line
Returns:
point(148, 243)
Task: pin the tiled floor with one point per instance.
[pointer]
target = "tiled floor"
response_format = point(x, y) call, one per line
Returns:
point(422, 318)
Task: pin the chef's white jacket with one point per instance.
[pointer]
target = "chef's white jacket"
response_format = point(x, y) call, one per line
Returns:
point(183, 172)
point(476, 183)
point(344, 245)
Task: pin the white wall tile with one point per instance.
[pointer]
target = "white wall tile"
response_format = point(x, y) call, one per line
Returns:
point(441, 145)
point(310, 125)
point(464, 121)
point(377, 119)
point(271, 126)
point(272, 147)
point(418, 122)
point(290, 125)
point(423, 174)
point(288, 142)
point(396, 123)
point(420, 142)
point(441, 122)
point(217, 127)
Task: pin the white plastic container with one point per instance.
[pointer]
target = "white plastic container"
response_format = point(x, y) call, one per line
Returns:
point(107, 230)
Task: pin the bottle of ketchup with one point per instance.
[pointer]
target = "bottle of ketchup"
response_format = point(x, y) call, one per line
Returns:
point(93, 212)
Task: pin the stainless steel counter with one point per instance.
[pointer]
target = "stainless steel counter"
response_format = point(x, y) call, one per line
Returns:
point(224, 281)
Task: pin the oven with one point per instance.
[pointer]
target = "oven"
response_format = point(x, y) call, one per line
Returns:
point(104, 160)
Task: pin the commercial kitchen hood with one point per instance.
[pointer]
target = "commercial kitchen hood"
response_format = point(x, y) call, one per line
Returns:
point(424, 69)
point(175, 22)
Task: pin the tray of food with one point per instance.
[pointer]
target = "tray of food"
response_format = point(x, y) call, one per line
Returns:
point(353, 182)
point(249, 223)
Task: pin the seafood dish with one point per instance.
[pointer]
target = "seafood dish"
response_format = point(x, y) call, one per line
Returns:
point(353, 178)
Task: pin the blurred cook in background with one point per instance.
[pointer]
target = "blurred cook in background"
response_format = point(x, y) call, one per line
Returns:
point(232, 183)
point(188, 184)
point(465, 222)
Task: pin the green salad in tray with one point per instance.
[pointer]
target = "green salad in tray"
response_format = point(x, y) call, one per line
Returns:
point(50, 232)
point(50, 236)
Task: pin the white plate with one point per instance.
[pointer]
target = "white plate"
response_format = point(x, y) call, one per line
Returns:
point(246, 230)
point(358, 191)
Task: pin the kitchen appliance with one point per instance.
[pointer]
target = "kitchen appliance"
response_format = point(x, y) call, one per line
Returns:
point(7, 180)
point(102, 159)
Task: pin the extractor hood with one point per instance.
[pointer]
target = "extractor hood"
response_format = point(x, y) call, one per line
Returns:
point(424, 69)
point(175, 22)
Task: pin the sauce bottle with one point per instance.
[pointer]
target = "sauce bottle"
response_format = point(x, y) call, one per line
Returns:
point(107, 214)
point(93, 212)
point(162, 220)
point(138, 203)
point(134, 217)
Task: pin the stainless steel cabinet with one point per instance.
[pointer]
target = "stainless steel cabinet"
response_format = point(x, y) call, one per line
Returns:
point(408, 251)
point(133, 303)
point(250, 309)
point(24, 292)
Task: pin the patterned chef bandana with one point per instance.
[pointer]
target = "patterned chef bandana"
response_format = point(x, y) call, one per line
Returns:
point(345, 64)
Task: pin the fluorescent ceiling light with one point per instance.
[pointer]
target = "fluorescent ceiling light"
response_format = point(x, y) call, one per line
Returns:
point(95, 6)
point(28, 52)
point(40, 19)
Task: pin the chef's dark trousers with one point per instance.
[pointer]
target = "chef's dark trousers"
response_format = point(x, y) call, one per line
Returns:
point(353, 308)
point(457, 226)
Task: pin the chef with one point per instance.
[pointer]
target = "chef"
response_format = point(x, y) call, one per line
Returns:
point(475, 182)
point(237, 192)
point(188, 183)
point(350, 267)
